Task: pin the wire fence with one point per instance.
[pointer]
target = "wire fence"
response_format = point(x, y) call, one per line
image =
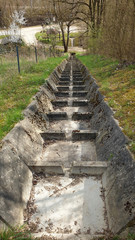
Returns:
point(20, 57)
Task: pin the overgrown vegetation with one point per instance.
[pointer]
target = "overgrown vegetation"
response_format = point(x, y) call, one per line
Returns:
point(17, 90)
point(116, 35)
point(49, 38)
point(117, 84)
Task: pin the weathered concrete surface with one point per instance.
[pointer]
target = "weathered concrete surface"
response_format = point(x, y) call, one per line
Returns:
point(26, 141)
point(47, 168)
point(119, 179)
point(67, 152)
point(22, 145)
point(119, 182)
point(96, 168)
point(68, 208)
point(15, 186)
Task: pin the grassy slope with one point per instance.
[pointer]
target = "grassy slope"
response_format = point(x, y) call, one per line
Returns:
point(118, 87)
point(17, 90)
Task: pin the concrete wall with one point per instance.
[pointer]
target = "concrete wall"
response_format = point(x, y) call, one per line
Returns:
point(119, 179)
point(22, 145)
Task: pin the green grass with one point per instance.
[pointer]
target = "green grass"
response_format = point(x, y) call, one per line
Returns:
point(18, 233)
point(16, 90)
point(3, 36)
point(118, 87)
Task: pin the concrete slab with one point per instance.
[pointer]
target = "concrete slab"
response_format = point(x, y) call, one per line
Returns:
point(80, 94)
point(63, 88)
point(80, 103)
point(64, 83)
point(90, 168)
point(78, 82)
point(83, 135)
point(79, 88)
point(69, 125)
point(71, 109)
point(51, 168)
point(69, 151)
point(56, 116)
point(68, 208)
point(81, 116)
point(53, 135)
point(62, 94)
point(60, 103)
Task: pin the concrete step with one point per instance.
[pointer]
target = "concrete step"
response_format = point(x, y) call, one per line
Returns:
point(80, 103)
point(77, 135)
point(80, 94)
point(65, 76)
point(78, 82)
point(77, 79)
point(60, 103)
point(56, 116)
point(61, 94)
point(65, 73)
point(79, 88)
point(64, 83)
point(51, 168)
point(63, 88)
point(90, 168)
point(81, 116)
point(65, 79)
point(82, 135)
point(53, 135)
point(77, 74)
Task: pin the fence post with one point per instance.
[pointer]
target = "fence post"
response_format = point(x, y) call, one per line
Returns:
point(50, 51)
point(36, 54)
point(17, 52)
point(44, 52)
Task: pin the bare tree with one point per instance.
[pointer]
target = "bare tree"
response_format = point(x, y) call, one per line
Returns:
point(118, 32)
point(65, 16)
point(89, 11)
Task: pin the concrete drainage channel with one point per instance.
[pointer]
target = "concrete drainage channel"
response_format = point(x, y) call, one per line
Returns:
point(65, 169)
point(71, 204)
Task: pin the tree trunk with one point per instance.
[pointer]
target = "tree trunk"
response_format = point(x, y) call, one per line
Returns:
point(68, 26)
point(63, 37)
point(65, 49)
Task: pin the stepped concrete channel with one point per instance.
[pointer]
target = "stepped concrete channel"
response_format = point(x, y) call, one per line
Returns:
point(65, 169)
